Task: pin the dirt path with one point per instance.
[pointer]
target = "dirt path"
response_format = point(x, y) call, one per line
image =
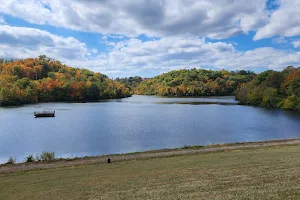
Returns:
point(149, 154)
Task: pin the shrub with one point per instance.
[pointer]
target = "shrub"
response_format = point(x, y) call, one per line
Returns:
point(47, 156)
point(11, 160)
point(37, 157)
point(29, 158)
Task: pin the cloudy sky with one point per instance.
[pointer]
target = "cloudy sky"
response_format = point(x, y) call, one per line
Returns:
point(149, 37)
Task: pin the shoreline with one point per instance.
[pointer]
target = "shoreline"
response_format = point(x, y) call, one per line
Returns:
point(78, 101)
point(161, 153)
point(119, 98)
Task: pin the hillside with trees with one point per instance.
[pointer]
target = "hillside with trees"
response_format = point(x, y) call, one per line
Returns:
point(194, 82)
point(131, 82)
point(272, 89)
point(45, 80)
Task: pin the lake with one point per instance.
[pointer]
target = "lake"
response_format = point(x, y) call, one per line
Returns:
point(138, 123)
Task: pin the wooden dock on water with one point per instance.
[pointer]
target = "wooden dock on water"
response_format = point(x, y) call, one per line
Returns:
point(45, 114)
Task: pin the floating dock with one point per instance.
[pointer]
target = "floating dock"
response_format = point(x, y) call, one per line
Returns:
point(44, 114)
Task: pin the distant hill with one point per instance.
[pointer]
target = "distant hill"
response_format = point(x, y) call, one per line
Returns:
point(194, 82)
point(43, 80)
point(273, 89)
point(131, 82)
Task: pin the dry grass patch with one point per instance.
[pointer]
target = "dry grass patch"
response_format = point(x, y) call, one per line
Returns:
point(262, 173)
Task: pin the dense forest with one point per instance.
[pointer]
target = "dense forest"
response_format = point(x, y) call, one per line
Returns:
point(43, 80)
point(194, 82)
point(131, 82)
point(272, 89)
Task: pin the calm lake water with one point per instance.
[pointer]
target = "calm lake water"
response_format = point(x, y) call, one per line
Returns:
point(138, 123)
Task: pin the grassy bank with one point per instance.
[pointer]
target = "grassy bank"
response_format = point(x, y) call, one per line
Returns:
point(258, 173)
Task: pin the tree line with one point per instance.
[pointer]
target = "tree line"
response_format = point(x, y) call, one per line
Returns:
point(268, 89)
point(272, 89)
point(194, 82)
point(44, 79)
point(130, 82)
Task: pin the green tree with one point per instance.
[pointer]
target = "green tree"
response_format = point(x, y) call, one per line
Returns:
point(269, 97)
point(294, 87)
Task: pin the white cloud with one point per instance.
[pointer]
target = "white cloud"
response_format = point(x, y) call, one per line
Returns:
point(94, 51)
point(22, 42)
point(261, 58)
point(296, 44)
point(105, 40)
point(161, 18)
point(285, 21)
point(2, 20)
point(134, 56)
point(280, 40)
point(115, 36)
point(177, 53)
point(33, 11)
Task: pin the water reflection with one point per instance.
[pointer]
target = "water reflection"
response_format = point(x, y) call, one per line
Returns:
point(136, 124)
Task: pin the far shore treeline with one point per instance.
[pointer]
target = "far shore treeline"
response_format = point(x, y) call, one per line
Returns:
point(195, 82)
point(272, 89)
point(44, 79)
point(268, 89)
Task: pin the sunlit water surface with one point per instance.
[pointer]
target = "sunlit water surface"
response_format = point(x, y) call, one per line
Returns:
point(138, 123)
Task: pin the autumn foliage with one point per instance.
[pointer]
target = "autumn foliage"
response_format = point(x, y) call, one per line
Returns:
point(273, 89)
point(46, 80)
point(43, 79)
point(131, 82)
point(194, 82)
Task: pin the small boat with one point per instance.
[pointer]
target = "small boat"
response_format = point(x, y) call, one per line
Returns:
point(44, 114)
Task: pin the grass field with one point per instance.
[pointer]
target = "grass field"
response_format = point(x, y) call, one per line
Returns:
point(260, 173)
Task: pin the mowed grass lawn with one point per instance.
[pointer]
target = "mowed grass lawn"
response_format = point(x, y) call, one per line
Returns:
point(262, 173)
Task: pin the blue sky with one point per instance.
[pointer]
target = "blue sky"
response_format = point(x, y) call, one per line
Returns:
point(150, 37)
